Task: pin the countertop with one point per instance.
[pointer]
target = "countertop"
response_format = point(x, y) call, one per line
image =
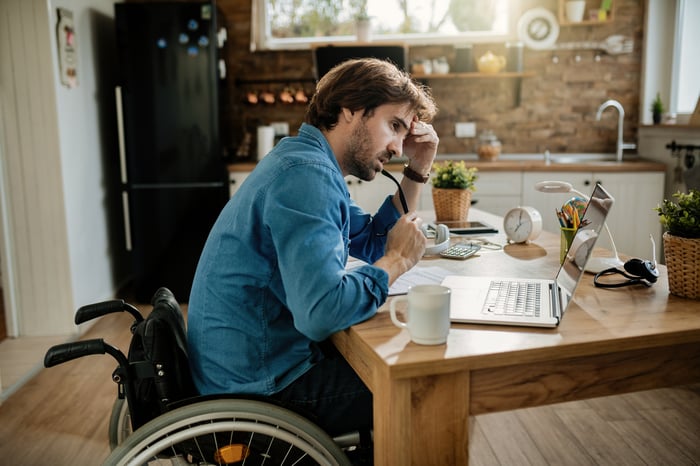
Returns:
point(529, 163)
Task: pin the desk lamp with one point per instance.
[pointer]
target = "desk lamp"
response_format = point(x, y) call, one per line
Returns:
point(594, 264)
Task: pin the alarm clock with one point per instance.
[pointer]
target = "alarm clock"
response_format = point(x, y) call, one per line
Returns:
point(522, 224)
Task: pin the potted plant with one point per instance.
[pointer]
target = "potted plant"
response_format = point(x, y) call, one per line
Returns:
point(682, 242)
point(657, 109)
point(453, 184)
point(363, 24)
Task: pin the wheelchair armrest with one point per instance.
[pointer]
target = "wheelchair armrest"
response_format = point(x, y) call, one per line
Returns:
point(92, 311)
point(65, 352)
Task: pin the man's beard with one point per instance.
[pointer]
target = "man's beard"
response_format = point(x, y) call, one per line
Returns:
point(358, 162)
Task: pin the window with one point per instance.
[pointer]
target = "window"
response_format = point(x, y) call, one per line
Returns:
point(670, 64)
point(685, 87)
point(297, 24)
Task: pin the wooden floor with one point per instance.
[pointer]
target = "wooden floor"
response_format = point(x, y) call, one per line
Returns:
point(60, 416)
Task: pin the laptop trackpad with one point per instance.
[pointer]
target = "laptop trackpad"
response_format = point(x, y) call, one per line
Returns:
point(468, 295)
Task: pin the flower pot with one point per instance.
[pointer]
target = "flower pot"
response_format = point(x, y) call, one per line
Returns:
point(451, 204)
point(363, 30)
point(683, 265)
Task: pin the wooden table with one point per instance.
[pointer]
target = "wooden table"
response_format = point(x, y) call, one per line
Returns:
point(610, 341)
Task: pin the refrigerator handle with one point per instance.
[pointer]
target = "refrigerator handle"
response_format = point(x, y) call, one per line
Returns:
point(127, 222)
point(120, 132)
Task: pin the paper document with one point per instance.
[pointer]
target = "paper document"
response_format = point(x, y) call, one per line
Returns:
point(416, 276)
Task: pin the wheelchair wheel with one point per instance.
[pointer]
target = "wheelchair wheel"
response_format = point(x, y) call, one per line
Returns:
point(119, 423)
point(229, 431)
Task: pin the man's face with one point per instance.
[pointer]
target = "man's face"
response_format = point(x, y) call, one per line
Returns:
point(376, 139)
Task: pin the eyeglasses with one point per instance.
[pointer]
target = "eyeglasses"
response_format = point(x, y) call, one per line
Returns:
point(404, 204)
point(402, 197)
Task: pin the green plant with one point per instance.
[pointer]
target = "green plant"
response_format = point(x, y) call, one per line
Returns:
point(681, 218)
point(657, 106)
point(454, 175)
point(360, 6)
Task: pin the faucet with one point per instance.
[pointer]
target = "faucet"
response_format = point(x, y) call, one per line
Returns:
point(621, 145)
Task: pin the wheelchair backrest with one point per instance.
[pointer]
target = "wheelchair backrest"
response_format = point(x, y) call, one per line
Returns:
point(158, 361)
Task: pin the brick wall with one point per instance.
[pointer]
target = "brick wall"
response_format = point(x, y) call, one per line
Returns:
point(557, 106)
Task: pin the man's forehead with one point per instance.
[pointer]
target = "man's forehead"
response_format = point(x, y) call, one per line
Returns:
point(400, 111)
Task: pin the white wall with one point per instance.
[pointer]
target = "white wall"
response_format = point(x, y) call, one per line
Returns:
point(56, 144)
point(35, 243)
point(84, 153)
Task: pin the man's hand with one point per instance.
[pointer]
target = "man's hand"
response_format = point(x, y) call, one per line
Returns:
point(420, 146)
point(405, 246)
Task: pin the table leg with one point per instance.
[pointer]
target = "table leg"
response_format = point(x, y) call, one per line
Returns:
point(422, 421)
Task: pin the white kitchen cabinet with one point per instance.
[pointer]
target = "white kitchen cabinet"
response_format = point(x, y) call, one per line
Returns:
point(367, 194)
point(497, 192)
point(632, 218)
point(371, 194)
point(235, 180)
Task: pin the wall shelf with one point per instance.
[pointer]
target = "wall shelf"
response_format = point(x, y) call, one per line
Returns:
point(587, 21)
point(517, 76)
point(474, 75)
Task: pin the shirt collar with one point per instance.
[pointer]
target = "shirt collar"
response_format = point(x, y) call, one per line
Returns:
point(311, 132)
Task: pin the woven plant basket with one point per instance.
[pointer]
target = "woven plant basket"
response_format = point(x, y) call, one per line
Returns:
point(683, 265)
point(451, 204)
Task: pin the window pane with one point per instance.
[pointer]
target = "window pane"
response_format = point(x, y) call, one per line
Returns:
point(688, 85)
point(431, 21)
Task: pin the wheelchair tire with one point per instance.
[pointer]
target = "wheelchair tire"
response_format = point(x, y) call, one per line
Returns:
point(119, 423)
point(227, 431)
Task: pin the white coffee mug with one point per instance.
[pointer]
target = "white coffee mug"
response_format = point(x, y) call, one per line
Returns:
point(428, 316)
point(575, 10)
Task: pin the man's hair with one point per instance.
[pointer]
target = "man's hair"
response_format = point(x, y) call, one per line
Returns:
point(366, 83)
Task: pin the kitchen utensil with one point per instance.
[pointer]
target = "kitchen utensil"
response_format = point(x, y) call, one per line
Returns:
point(613, 45)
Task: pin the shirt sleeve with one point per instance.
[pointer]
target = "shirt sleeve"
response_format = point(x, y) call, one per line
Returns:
point(310, 224)
point(368, 233)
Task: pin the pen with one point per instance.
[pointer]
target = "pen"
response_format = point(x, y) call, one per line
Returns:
point(560, 218)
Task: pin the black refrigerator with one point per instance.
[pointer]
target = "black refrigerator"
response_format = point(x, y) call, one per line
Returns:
point(173, 175)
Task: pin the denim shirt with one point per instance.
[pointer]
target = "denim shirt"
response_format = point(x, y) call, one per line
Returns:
point(271, 281)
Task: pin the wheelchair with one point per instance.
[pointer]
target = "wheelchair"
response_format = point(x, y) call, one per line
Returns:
point(159, 418)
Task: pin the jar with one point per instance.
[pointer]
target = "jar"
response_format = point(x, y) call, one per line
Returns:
point(489, 147)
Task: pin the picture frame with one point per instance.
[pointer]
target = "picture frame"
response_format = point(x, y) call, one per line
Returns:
point(67, 48)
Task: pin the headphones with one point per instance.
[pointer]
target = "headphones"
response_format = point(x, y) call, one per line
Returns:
point(637, 272)
point(442, 237)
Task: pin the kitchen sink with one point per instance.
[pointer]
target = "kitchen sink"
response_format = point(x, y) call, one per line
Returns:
point(582, 158)
point(556, 158)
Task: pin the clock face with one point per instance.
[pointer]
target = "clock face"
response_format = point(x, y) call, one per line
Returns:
point(522, 224)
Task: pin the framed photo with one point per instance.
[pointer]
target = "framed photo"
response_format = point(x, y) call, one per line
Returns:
point(67, 52)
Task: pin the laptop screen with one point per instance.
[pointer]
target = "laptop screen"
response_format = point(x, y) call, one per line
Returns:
point(584, 240)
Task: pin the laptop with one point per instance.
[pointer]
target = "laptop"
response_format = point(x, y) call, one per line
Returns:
point(526, 301)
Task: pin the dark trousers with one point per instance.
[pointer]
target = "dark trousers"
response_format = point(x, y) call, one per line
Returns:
point(332, 395)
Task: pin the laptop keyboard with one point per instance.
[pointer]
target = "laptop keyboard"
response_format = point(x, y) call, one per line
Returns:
point(513, 298)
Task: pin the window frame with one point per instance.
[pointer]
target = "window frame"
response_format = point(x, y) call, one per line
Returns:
point(260, 35)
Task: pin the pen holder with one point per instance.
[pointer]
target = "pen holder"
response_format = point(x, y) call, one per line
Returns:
point(567, 235)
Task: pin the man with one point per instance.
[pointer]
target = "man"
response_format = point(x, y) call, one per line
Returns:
point(271, 284)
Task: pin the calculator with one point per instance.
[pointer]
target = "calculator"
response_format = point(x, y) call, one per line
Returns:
point(460, 251)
